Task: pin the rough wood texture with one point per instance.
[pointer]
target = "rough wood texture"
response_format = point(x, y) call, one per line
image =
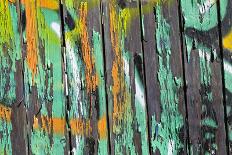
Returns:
point(226, 39)
point(43, 77)
point(125, 81)
point(13, 134)
point(115, 77)
point(165, 82)
point(203, 77)
point(86, 79)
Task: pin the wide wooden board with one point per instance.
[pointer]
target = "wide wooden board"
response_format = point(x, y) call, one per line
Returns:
point(85, 77)
point(43, 77)
point(203, 77)
point(125, 77)
point(165, 82)
point(13, 133)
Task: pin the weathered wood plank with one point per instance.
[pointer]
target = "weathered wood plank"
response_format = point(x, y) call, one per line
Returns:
point(125, 81)
point(86, 79)
point(164, 78)
point(203, 77)
point(43, 77)
point(226, 36)
point(66, 87)
point(12, 111)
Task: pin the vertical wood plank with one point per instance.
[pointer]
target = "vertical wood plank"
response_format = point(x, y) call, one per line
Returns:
point(86, 78)
point(164, 78)
point(125, 81)
point(12, 111)
point(43, 77)
point(226, 34)
point(203, 77)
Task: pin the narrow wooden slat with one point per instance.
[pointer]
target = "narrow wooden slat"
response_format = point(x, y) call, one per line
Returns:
point(164, 78)
point(226, 36)
point(12, 112)
point(203, 77)
point(86, 79)
point(43, 77)
point(125, 81)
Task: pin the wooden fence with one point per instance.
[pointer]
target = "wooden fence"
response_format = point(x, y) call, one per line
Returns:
point(116, 77)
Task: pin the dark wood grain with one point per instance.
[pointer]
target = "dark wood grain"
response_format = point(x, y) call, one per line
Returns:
point(43, 78)
point(204, 80)
point(13, 133)
point(115, 77)
point(164, 78)
point(125, 77)
point(86, 78)
point(225, 42)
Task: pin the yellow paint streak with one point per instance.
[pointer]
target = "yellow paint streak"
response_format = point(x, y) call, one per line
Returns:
point(32, 34)
point(102, 127)
point(5, 113)
point(6, 31)
point(227, 41)
point(49, 4)
point(131, 13)
point(91, 77)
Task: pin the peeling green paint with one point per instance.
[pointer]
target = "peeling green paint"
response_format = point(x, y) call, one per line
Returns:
point(99, 62)
point(201, 14)
point(165, 133)
point(9, 52)
point(48, 83)
point(5, 141)
point(123, 131)
point(207, 120)
point(98, 54)
point(41, 144)
point(130, 119)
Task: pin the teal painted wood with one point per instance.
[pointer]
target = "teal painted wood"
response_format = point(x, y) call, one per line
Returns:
point(203, 77)
point(125, 77)
point(12, 112)
point(86, 77)
point(43, 78)
point(164, 78)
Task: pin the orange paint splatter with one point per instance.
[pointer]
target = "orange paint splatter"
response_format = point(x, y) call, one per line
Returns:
point(32, 34)
point(102, 127)
point(91, 79)
point(117, 68)
point(80, 127)
point(122, 109)
point(57, 125)
point(5, 113)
